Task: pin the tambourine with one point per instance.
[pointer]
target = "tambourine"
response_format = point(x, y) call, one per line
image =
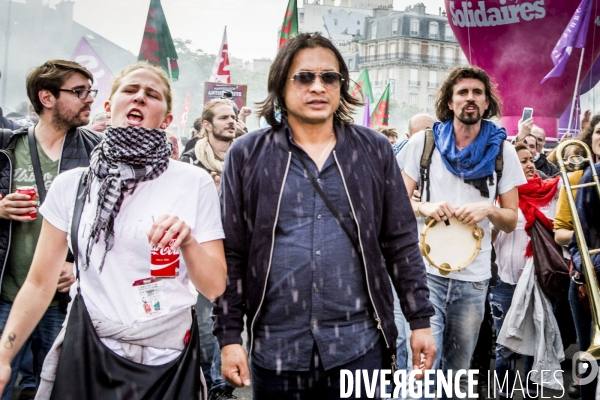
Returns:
point(450, 246)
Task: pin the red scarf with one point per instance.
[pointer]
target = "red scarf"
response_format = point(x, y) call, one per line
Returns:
point(532, 195)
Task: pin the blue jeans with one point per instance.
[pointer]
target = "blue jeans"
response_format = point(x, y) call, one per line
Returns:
point(459, 308)
point(403, 350)
point(26, 370)
point(314, 384)
point(41, 341)
point(210, 353)
point(506, 360)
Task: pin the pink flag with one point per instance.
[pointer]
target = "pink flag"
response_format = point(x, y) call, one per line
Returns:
point(185, 111)
point(220, 72)
point(85, 55)
point(367, 112)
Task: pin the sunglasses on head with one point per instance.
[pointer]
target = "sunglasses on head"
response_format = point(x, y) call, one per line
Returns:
point(303, 80)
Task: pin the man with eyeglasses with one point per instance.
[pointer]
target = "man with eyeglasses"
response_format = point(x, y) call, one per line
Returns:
point(312, 206)
point(60, 92)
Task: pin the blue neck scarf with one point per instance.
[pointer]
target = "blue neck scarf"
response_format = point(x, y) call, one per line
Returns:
point(477, 161)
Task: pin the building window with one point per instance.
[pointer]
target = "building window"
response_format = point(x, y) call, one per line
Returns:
point(449, 55)
point(382, 49)
point(374, 31)
point(430, 103)
point(448, 34)
point(395, 27)
point(350, 66)
point(413, 98)
point(372, 50)
point(413, 79)
point(433, 30)
point(434, 53)
point(414, 27)
point(432, 79)
point(414, 52)
point(390, 73)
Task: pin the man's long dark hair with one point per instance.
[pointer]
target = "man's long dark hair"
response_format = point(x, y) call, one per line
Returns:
point(278, 76)
point(445, 93)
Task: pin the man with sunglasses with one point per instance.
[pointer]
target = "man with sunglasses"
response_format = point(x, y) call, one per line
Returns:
point(60, 92)
point(312, 206)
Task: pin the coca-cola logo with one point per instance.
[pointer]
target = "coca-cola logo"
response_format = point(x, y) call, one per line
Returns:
point(164, 256)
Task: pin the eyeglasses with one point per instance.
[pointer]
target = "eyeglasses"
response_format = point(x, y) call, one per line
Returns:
point(82, 94)
point(331, 80)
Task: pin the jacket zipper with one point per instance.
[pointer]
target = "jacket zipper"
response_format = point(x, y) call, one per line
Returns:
point(287, 168)
point(362, 253)
point(10, 222)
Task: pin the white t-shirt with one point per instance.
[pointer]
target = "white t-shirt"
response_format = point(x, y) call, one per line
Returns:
point(511, 247)
point(445, 186)
point(182, 190)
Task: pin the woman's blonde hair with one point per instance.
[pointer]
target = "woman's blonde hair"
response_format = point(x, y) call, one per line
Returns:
point(157, 70)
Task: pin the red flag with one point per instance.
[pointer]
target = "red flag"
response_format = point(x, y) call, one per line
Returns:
point(289, 29)
point(185, 111)
point(381, 114)
point(220, 72)
point(157, 44)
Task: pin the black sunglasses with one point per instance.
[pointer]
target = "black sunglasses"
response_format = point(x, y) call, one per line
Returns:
point(82, 94)
point(303, 80)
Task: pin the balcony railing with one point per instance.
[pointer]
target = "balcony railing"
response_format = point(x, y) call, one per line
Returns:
point(414, 83)
point(433, 85)
point(410, 57)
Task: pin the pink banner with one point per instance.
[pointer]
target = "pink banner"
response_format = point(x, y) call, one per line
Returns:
point(85, 55)
point(513, 40)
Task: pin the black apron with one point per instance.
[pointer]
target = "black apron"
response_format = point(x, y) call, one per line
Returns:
point(87, 369)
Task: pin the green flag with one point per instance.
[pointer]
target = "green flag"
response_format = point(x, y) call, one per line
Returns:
point(381, 114)
point(289, 29)
point(363, 87)
point(157, 44)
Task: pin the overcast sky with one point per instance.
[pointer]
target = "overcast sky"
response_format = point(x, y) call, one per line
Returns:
point(252, 25)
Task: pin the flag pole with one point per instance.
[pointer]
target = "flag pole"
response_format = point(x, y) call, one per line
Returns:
point(576, 89)
point(169, 68)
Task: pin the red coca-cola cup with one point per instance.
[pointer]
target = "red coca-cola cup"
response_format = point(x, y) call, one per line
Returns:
point(30, 191)
point(164, 263)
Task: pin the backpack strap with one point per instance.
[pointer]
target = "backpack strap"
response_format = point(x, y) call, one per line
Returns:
point(499, 167)
point(426, 163)
point(6, 134)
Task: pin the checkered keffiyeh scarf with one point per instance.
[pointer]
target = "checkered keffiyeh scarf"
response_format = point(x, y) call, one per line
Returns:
point(125, 157)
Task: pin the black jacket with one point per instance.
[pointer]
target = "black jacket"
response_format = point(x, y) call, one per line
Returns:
point(255, 170)
point(190, 158)
point(76, 151)
point(546, 166)
point(6, 123)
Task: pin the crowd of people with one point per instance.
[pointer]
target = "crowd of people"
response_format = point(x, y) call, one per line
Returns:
point(316, 249)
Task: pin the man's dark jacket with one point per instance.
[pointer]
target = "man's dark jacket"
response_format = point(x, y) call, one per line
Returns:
point(546, 166)
point(6, 123)
point(76, 150)
point(255, 168)
point(190, 158)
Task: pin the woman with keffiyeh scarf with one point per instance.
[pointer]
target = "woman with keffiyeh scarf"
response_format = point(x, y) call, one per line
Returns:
point(537, 200)
point(135, 198)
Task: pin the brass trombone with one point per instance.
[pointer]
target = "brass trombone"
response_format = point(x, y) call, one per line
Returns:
point(578, 162)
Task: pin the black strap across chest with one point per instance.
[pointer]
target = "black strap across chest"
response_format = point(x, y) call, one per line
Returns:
point(37, 168)
point(353, 239)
